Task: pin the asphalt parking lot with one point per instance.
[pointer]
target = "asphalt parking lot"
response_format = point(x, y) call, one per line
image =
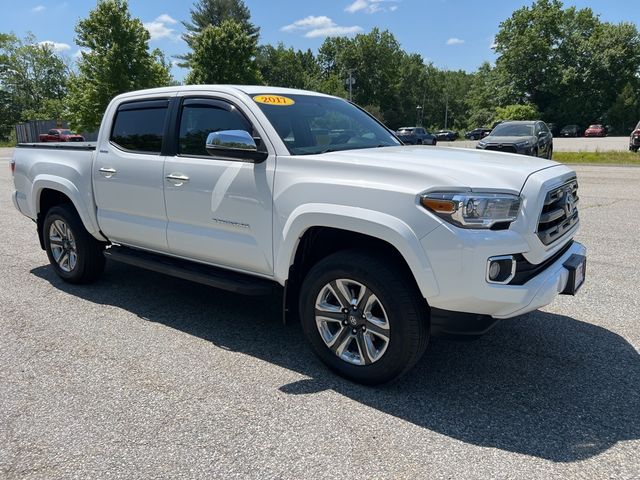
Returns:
point(591, 144)
point(146, 376)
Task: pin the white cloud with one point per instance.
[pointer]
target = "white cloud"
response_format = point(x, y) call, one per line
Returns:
point(321, 26)
point(38, 9)
point(160, 28)
point(56, 46)
point(371, 6)
point(166, 19)
point(455, 41)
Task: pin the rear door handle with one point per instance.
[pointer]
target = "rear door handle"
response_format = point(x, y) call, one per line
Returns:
point(107, 172)
point(177, 179)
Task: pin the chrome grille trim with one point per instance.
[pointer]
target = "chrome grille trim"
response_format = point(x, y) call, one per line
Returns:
point(559, 213)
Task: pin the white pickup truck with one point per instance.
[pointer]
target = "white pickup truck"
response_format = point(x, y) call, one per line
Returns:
point(255, 189)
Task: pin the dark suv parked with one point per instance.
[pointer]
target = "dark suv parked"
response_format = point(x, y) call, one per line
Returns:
point(634, 139)
point(477, 133)
point(529, 137)
point(571, 131)
point(415, 136)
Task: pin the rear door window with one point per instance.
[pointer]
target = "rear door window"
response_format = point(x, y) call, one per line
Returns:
point(139, 126)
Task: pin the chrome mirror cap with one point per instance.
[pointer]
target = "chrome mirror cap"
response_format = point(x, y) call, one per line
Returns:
point(231, 140)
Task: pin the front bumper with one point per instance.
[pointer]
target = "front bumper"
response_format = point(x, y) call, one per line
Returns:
point(459, 262)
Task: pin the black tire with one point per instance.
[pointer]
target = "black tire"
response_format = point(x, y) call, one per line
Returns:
point(90, 260)
point(404, 307)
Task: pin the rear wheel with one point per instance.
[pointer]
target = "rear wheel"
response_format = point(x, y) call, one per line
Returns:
point(365, 318)
point(75, 255)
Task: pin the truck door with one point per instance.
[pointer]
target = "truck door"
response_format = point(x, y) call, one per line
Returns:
point(219, 210)
point(128, 176)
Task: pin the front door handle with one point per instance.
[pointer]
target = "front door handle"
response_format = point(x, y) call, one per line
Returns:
point(177, 179)
point(107, 172)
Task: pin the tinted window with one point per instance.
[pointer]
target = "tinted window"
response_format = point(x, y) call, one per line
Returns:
point(512, 130)
point(139, 126)
point(201, 117)
point(53, 132)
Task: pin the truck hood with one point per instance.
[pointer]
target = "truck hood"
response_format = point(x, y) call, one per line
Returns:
point(419, 167)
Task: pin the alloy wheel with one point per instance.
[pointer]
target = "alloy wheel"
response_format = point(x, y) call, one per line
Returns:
point(63, 245)
point(352, 322)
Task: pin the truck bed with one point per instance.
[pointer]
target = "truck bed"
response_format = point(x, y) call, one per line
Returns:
point(64, 166)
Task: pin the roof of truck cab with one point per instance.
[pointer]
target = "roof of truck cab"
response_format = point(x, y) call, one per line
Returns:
point(246, 89)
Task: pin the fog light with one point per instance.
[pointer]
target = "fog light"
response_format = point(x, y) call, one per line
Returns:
point(494, 270)
point(501, 269)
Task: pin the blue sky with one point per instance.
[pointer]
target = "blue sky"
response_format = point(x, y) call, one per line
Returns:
point(454, 34)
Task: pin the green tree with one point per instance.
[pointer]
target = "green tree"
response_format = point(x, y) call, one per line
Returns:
point(118, 60)
point(483, 97)
point(566, 61)
point(283, 67)
point(624, 114)
point(517, 112)
point(212, 13)
point(33, 81)
point(224, 54)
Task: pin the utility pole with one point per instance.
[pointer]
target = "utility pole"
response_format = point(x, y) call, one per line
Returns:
point(446, 110)
point(350, 81)
point(418, 116)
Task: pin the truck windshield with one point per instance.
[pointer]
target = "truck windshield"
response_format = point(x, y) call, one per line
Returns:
point(309, 124)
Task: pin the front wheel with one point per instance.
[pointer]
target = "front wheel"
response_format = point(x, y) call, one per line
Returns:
point(74, 254)
point(364, 317)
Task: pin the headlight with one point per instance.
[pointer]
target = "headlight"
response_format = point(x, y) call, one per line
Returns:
point(473, 210)
point(522, 144)
point(482, 144)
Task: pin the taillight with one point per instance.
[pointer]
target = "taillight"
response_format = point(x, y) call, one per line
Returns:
point(636, 132)
point(13, 167)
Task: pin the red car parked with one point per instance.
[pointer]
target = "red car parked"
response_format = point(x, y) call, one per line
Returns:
point(595, 131)
point(60, 135)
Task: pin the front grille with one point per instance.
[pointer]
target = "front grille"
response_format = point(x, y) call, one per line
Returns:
point(559, 213)
point(502, 148)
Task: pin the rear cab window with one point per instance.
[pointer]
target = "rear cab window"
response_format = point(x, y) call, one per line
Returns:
point(139, 126)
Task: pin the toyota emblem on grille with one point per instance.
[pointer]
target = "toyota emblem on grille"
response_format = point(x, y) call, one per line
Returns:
point(569, 204)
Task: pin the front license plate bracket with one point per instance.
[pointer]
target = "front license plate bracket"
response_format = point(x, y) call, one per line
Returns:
point(577, 267)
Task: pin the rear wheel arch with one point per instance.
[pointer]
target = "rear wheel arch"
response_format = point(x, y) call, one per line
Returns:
point(47, 199)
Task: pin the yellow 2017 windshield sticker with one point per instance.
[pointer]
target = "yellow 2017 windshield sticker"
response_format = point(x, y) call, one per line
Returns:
point(274, 100)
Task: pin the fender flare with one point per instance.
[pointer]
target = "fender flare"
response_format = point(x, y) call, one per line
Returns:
point(360, 220)
point(62, 185)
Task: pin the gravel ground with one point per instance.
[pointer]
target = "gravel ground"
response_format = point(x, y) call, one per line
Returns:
point(592, 144)
point(145, 376)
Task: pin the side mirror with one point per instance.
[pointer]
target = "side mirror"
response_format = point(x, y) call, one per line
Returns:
point(234, 144)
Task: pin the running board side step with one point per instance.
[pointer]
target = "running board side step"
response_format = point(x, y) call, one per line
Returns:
point(212, 276)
